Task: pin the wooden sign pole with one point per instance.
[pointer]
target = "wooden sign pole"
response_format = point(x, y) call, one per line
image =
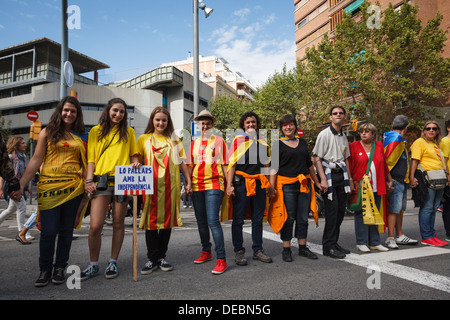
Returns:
point(135, 205)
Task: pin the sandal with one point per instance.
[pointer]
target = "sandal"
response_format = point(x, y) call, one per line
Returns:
point(18, 238)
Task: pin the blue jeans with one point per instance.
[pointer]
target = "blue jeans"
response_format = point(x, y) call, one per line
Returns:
point(207, 212)
point(367, 234)
point(257, 205)
point(297, 207)
point(427, 212)
point(57, 222)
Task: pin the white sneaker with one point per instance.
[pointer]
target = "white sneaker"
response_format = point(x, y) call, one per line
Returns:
point(390, 243)
point(405, 240)
point(379, 248)
point(363, 248)
point(29, 236)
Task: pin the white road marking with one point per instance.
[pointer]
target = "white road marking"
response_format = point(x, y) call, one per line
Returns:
point(383, 260)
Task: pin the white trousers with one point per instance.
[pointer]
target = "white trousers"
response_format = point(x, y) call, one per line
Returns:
point(20, 208)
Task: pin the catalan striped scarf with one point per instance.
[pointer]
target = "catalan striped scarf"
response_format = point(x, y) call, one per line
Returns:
point(161, 210)
point(335, 165)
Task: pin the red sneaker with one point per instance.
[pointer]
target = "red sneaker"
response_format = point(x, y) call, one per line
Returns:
point(220, 267)
point(206, 256)
point(432, 242)
point(444, 243)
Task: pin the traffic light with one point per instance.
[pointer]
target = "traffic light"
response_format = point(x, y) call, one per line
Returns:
point(74, 93)
point(35, 129)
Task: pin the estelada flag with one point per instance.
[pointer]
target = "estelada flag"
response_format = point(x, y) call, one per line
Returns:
point(238, 148)
point(394, 146)
point(240, 145)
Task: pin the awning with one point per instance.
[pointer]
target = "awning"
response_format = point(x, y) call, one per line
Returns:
point(353, 6)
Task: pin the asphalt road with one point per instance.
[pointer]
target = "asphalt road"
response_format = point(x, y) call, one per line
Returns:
point(410, 273)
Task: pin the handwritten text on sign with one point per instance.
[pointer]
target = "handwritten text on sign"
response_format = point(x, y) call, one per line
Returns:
point(129, 181)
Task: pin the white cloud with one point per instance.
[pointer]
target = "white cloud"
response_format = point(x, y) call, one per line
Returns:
point(224, 34)
point(242, 13)
point(254, 49)
point(258, 61)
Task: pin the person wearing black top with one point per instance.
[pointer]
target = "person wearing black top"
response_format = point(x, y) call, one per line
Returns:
point(294, 161)
point(247, 186)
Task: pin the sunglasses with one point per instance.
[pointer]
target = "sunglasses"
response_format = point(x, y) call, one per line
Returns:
point(431, 128)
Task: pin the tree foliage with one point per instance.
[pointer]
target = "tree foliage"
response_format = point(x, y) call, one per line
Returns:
point(376, 73)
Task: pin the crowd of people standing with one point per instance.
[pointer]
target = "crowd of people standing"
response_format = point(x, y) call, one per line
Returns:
point(236, 182)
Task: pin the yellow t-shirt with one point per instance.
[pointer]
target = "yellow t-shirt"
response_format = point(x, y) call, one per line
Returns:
point(445, 148)
point(427, 153)
point(117, 154)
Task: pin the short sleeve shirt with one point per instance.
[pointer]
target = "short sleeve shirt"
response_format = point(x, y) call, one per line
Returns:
point(331, 145)
point(427, 152)
point(117, 154)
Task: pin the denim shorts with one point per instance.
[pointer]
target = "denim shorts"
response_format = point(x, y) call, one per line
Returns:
point(110, 192)
point(397, 198)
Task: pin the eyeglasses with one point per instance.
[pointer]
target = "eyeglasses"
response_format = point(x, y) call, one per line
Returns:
point(337, 113)
point(431, 128)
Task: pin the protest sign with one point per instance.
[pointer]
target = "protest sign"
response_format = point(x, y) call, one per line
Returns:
point(133, 181)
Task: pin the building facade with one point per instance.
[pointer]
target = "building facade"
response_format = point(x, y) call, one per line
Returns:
point(315, 18)
point(215, 72)
point(30, 81)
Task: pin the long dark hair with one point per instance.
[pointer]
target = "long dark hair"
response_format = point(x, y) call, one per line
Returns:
point(151, 128)
point(55, 128)
point(106, 123)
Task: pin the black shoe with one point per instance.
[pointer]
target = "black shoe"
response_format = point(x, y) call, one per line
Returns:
point(339, 248)
point(287, 254)
point(305, 252)
point(335, 254)
point(44, 279)
point(58, 276)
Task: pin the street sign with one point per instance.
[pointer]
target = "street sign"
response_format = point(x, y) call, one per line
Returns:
point(300, 132)
point(195, 130)
point(32, 115)
point(68, 73)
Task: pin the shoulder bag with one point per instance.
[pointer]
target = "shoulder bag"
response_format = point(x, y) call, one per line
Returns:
point(355, 198)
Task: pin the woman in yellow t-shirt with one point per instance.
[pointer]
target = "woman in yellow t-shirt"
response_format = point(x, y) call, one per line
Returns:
point(111, 143)
point(62, 155)
point(426, 153)
point(160, 148)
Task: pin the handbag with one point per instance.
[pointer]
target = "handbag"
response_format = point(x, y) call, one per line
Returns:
point(102, 181)
point(355, 199)
point(435, 179)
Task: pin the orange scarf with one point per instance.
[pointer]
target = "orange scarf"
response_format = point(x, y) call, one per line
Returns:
point(250, 182)
point(277, 210)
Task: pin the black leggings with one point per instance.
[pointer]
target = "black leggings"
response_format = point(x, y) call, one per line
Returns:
point(157, 242)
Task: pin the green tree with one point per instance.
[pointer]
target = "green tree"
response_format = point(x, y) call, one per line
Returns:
point(395, 68)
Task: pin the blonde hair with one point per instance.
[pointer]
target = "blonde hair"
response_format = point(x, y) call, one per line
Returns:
point(13, 144)
point(368, 126)
point(438, 137)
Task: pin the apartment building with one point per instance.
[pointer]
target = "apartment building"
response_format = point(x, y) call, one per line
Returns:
point(315, 18)
point(215, 72)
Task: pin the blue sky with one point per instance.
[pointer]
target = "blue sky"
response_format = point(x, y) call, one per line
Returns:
point(132, 37)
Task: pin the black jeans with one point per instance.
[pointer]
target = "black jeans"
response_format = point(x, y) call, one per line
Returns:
point(57, 230)
point(157, 242)
point(334, 212)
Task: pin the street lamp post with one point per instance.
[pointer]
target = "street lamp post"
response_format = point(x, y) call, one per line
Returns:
point(197, 4)
point(64, 48)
